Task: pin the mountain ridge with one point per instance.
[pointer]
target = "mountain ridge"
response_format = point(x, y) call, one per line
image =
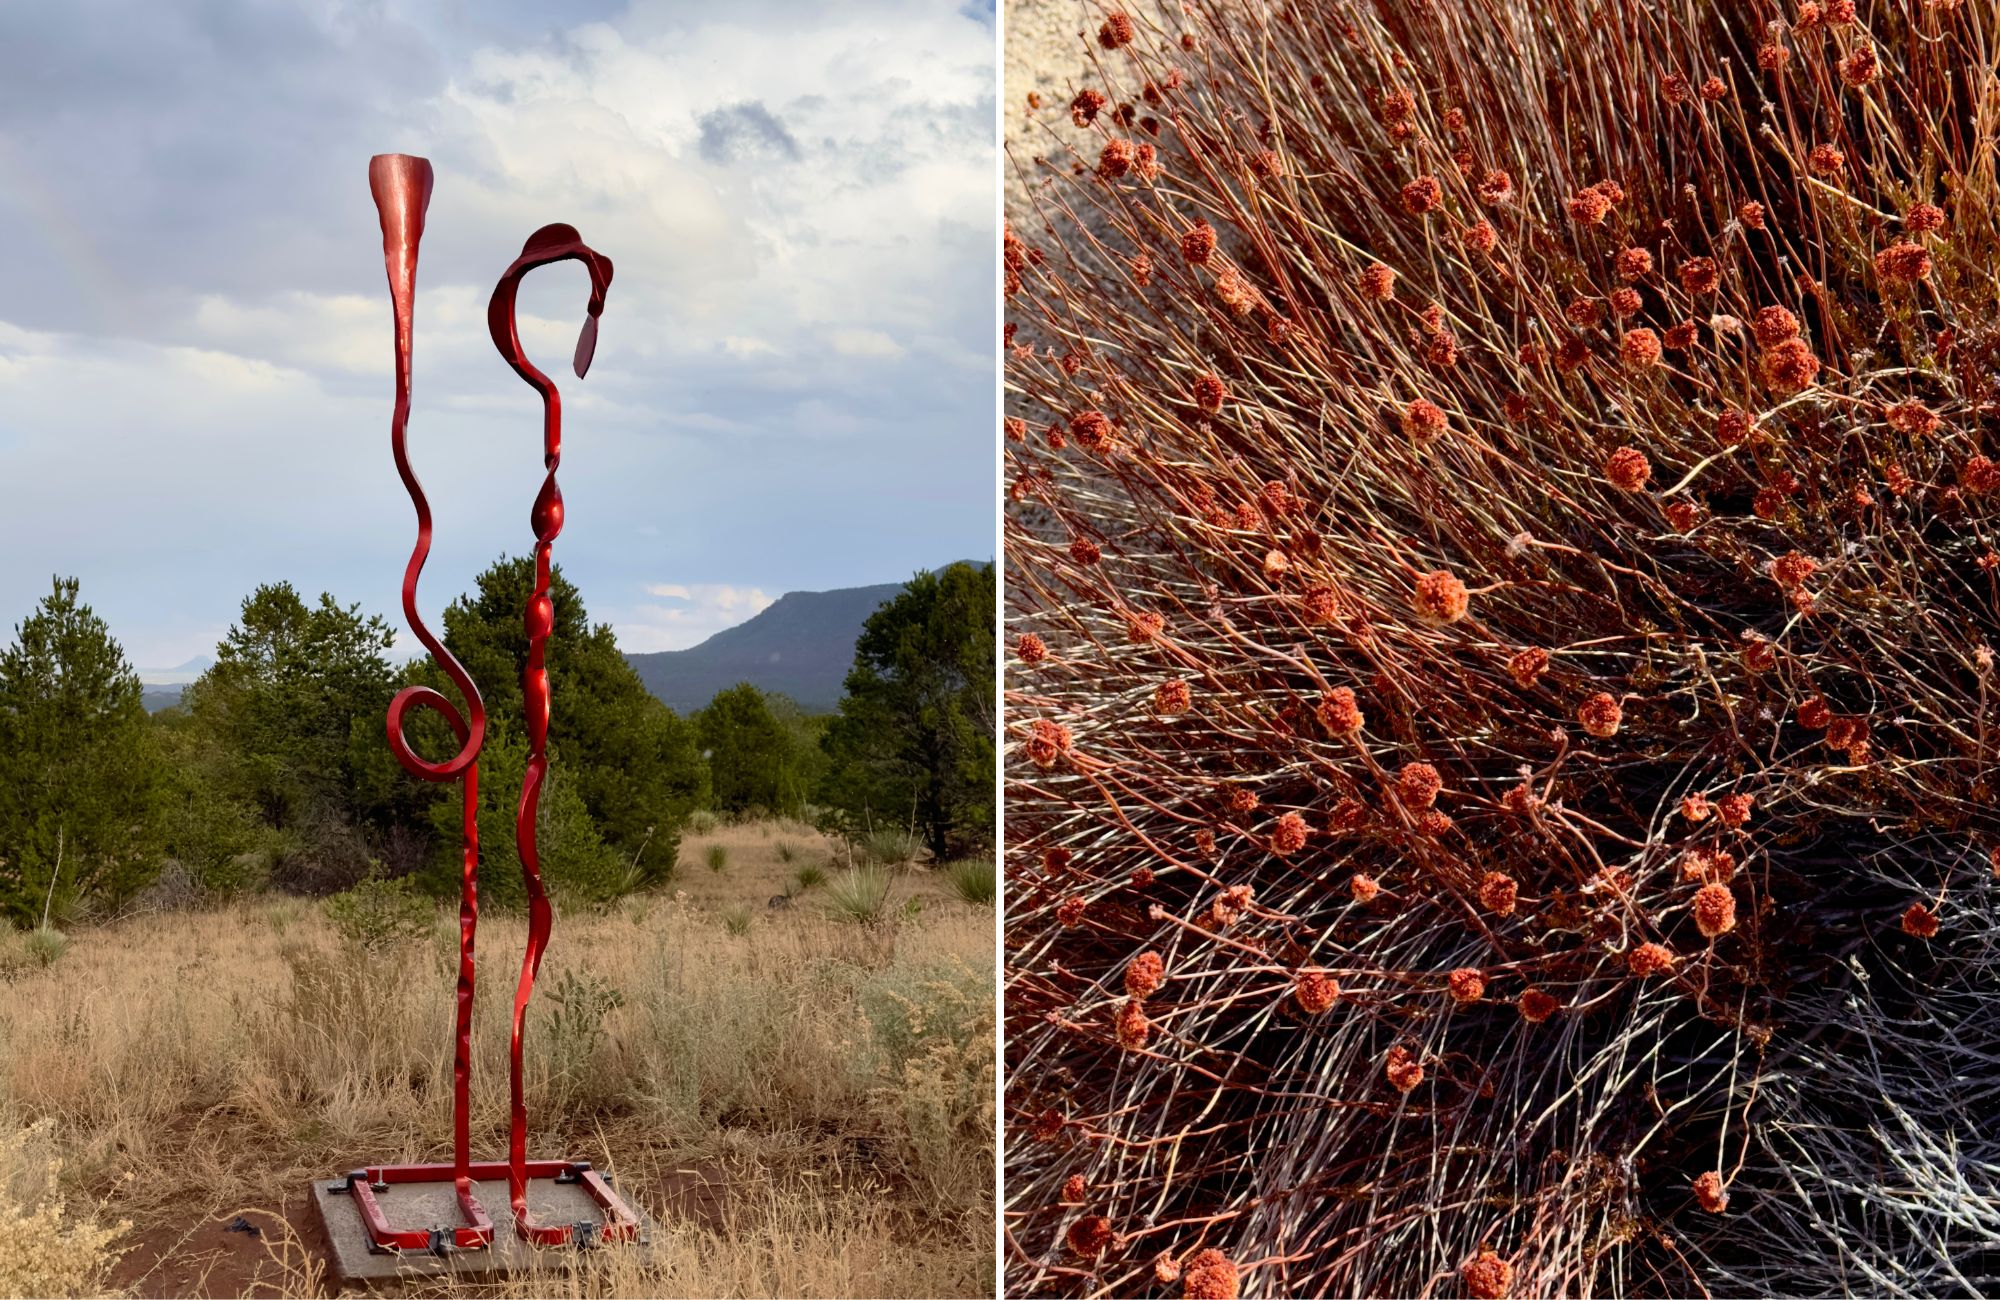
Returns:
point(800, 645)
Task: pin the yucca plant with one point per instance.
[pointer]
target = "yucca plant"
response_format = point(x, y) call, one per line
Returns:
point(973, 880)
point(860, 894)
point(891, 845)
point(1502, 721)
point(45, 945)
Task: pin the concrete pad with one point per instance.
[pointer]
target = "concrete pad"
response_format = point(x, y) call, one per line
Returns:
point(425, 1205)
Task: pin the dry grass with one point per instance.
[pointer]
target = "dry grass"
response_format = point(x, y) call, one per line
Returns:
point(757, 870)
point(805, 1108)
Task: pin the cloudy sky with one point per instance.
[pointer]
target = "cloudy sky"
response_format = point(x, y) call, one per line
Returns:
point(793, 386)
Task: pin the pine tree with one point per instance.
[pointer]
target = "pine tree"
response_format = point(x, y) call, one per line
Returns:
point(914, 737)
point(78, 769)
point(745, 746)
point(629, 760)
point(293, 710)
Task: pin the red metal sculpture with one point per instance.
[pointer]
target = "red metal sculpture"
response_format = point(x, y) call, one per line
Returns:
point(401, 186)
point(549, 244)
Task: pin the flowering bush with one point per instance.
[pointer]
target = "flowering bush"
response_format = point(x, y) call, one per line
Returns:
point(1548, 449)
point(47, 1246)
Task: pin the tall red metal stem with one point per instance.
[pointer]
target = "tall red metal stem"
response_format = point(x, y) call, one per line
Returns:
point(554, 243)
point(401, 186)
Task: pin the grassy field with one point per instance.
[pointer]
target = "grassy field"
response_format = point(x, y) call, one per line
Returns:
point(802, 1101)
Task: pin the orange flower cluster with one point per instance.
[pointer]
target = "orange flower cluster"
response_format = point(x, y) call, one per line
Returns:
point(1440, 596)
point(1527, 666)
point(1714, 910)
point(1340, 711)
point(1289, 835)
point(1537, 1005)
point(1423, 419)
point(1467, 984)
point(1498, 893)
point(1091, 1235)
point(1047, 742)
point(1649, 959)
point(1132, 1026)
point(1404, 1070)
point(1487, 1276)
point(1144, 975)
point(1600, 715)
point(1315, 991)
point(1210, 1275)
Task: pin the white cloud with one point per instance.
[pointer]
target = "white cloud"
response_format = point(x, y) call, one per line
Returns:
point(688, 613)
point(741, 347)
point(800, 318)
point(865, 343)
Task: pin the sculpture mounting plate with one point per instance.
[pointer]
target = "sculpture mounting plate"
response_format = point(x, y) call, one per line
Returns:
point(351, 1263)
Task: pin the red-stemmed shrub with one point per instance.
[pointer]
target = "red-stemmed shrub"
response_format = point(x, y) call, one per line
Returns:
point(1558, 444)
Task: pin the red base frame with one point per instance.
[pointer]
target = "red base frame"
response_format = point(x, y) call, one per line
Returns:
point(476, 1233)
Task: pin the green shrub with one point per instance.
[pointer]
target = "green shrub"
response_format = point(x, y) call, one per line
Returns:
point(377, 915)
point(580, 1003)
point(44, 945)
point(577, 865)
point(718, 857)
point(703, 821)
point(283, 914)
point(49, 1245)
point(736, 919)
point(931, 1056)
point(786, 852)
point(891, 846)
point(860, 894)
point(973, 880)
point(218, 840)
point(828, 820)
point(810, 877)
point(910, 1008)
point(642, 871)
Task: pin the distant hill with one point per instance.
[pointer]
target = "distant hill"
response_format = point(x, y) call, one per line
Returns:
point(163, 686)
point(179, 675)
point(801, 645)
